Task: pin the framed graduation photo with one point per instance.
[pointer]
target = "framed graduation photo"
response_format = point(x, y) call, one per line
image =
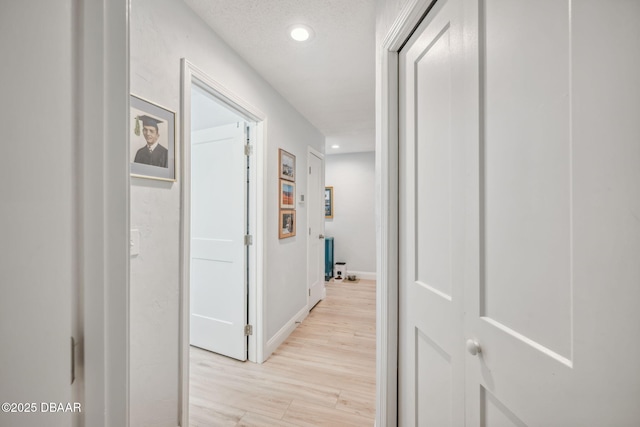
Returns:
point(152, 140)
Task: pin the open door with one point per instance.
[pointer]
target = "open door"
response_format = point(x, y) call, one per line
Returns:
point(218, 227)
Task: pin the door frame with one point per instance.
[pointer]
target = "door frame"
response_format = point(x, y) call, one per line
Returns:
point(102, 211)
point(387, 170)
point(311, 151)
point(256, 217)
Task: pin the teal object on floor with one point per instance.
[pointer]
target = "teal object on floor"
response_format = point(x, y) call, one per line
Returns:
point(328, 258)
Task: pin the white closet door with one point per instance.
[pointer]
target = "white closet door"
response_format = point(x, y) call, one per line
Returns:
point(519, 206)
point(431, 363)
point(555, 247)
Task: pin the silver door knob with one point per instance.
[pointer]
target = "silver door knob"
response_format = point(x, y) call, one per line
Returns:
point(321, 236)
point(473, 347)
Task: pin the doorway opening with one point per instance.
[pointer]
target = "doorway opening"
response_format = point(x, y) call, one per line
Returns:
point(221, 225)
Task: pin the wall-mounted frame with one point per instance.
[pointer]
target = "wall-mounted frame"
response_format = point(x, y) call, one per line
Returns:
point(287, 194)
point(152, 140)
point(287, 165)
point(328, 202)
point(287, 224)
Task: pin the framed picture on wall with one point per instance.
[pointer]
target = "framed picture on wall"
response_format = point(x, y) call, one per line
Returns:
point(152, 140)
point(287, 194)
point(287, 165)
point(287, 227)
point(328, 202)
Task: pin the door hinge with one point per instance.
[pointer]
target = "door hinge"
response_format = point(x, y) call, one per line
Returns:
point(248, 150)
point(248, 330)
point(73, 360)
point(309, 292)
point(309, 170)
point(248, 240)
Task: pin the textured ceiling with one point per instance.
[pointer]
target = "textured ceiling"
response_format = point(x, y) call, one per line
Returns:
point(329, 79)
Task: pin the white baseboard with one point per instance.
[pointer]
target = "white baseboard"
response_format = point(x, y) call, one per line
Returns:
point(284, 332)
point(366, 275)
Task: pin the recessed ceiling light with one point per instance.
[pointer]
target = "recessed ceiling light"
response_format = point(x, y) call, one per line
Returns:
point(335, 146)
point(300, 33)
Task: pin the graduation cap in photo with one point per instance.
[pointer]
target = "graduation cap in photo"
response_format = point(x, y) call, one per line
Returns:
point(146, 121)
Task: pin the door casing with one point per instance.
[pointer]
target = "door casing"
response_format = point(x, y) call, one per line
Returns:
point(387, 212)
point(191, 73)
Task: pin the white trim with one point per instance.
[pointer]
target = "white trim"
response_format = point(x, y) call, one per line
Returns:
point(406, 21)
point(285, 331)
point(102, 162)
point(364, 275)
point(387, 212)
point(192, 73)
point(257, 251)
point(315, 152)
point(257, 313)
point(185, 226)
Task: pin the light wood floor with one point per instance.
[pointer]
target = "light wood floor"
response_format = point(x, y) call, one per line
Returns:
point(322, 375)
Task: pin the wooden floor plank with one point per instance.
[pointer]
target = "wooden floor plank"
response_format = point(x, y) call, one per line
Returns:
point(322, 375)
point(308, 414)
point(254, 420)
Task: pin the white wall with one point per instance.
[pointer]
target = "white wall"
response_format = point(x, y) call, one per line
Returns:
point(352, 177)
point(162, 32)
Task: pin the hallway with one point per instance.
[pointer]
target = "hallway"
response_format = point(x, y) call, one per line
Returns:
point(323, 374)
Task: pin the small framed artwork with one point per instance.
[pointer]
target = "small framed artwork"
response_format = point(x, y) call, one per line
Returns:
point(328, 202)
point(287, 194)
point(287, 226)
point(152, 140)
point(287, 165)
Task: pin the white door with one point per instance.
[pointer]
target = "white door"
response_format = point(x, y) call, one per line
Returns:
point(40, 218)
point(553, 272)
point(431, 365)
point(519, 172)
point(315, 253)
point(218, 252)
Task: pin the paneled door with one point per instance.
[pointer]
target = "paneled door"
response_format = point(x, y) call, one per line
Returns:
point(431, 363)
point(218, 252)
point(519, 198)
point(558, 170)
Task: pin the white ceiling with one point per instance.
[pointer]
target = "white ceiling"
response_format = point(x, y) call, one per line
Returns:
point(329, 79)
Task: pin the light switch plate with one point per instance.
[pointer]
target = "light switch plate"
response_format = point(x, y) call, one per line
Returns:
point(134, 242)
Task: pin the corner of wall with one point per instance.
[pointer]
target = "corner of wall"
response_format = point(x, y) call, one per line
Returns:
point(284, 332)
